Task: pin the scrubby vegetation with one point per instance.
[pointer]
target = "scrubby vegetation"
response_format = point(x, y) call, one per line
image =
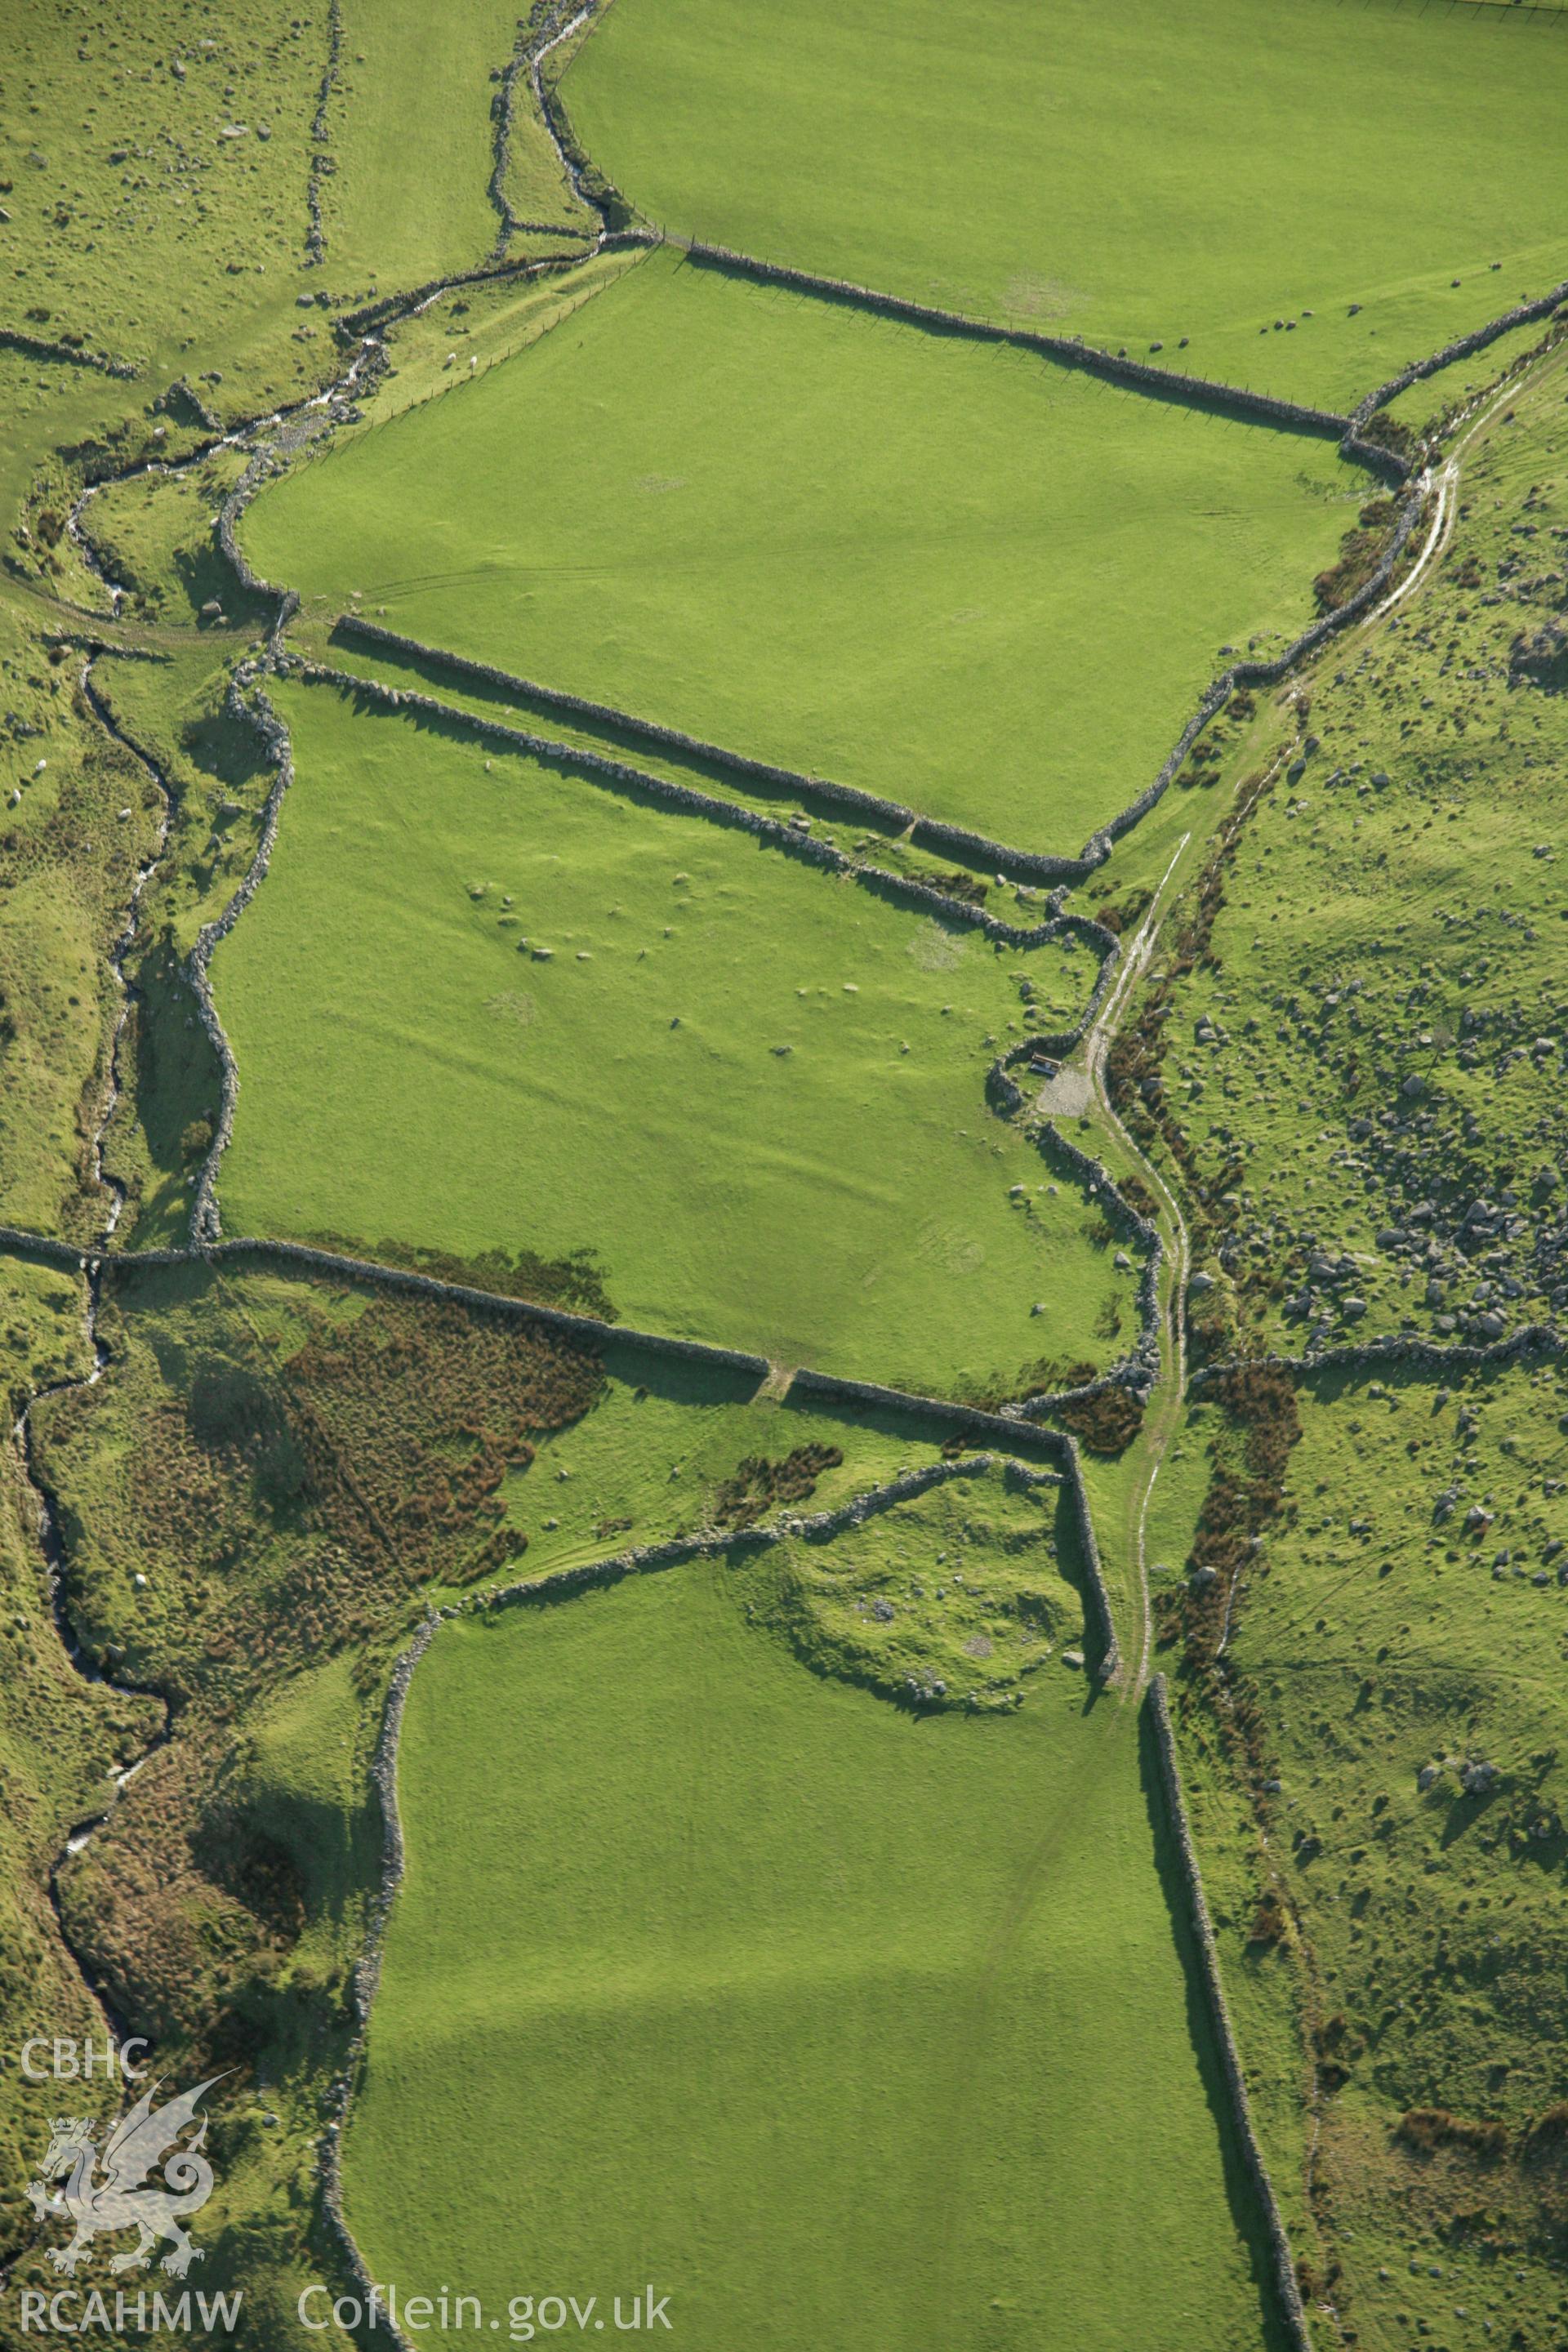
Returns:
point(850, 1814)
point(1388, 1711)
point(1353, 1050)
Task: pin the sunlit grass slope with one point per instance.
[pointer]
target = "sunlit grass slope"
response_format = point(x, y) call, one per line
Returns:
point(412, 134)
point(949, 573)
point(1383, 1648)
point(1135, 175)
point(480, 1006)
point(841, 2026)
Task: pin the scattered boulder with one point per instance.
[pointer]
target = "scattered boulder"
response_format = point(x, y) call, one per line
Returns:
point(1542, 659)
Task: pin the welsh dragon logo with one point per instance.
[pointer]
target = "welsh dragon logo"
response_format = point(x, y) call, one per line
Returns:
point(105, 2192)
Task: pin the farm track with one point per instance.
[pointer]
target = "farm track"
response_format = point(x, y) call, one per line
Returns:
point(1114, 1000)
point(1164, 1415)
point(1113, 994)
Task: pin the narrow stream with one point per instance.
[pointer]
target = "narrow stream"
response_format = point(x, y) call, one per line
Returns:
point(50, 1541)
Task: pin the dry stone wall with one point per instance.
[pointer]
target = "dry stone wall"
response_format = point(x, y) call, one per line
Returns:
point(819, 1526)
point(971, 1418)
point(1286, 2291)
point(259, 714)
point(1524, 314)
point(41, 347)
point(1168, 383)
point(1270, 673)
point(904, 889)
point(322, 163)
point(367, 1969)
point(389, 307)
point(1402, 1351)
point(588, 183)
point(927, 832)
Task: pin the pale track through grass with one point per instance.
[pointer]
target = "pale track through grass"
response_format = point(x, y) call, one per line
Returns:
point(1168, 1407)
point(1164, 1419)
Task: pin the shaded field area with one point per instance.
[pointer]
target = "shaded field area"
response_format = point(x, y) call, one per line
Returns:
point(1294, 191)
point(1383, 1821)
point(791, 2003)
point(952, 574)
point(483, 1004)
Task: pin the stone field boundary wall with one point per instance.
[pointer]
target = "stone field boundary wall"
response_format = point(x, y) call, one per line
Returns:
point(1398, 1351)
point(1287, 2291)
point(321, 164)
point(204, 1221)
point(1014, 1429)
point(559, 1584)
point(43, 347)
point(1523, 315)
point(926, 832)
point(1170, 384)
point(791, 839)
point(1351, 433)
point(367, 1975)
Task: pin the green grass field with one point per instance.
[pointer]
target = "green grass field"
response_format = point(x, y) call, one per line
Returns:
point(949, 573)
point(1135, 177)
point(410, 136)
point(839, 2026)
point(720, 1079)
point(665, 1438)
